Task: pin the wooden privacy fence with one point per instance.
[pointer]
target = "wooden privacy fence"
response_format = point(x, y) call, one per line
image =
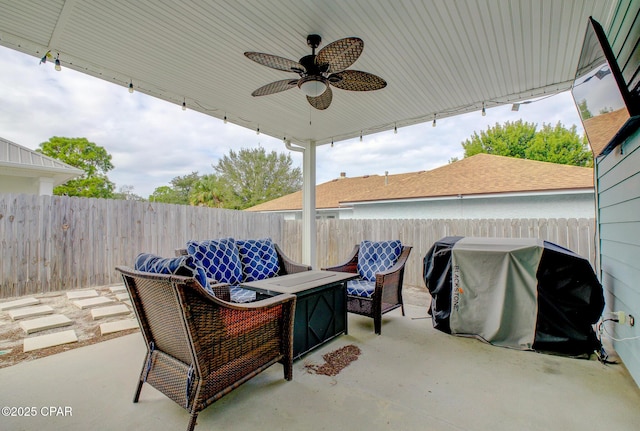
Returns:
point(336, 238)
point(53, 243)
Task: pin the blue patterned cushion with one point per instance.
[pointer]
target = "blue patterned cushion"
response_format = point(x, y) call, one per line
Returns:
point(361, 287)
point(183, 265)
point(219, 258)
point(259, 259)
point(240, 295)
point(375, 257)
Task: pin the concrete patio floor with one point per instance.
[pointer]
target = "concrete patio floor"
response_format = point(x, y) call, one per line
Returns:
point(412, 377)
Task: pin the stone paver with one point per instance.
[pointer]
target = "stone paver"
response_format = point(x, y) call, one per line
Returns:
point(118, 325)
point(18, 303)
point(23, 313)
point(50, 340)
point(122, 296)
point(82, 294)
point(113, 310)
point(44, 323)
point(92, 302)
point(117, 289)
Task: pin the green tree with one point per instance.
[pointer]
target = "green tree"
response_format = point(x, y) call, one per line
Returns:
point(510, 139)
point(251, 176)
point(585, 114)
point(91, 158)
point(179, 191)
point(164, 194)
point(208, 191)
point(125, 193)
point(521, 140)
point(560, 145)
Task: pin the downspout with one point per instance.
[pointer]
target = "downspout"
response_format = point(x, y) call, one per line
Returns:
point(308, 201)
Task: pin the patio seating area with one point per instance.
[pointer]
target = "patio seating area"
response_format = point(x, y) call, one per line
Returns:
point(413, 377)
point(378, 289)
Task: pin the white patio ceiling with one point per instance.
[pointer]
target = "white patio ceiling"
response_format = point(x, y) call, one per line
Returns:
point(439, 57)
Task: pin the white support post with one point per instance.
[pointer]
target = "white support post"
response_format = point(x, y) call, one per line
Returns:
point(309, 205)
point(308, 151)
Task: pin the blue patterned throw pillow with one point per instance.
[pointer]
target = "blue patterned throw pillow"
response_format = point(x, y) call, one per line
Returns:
point(259, 259)
point(374, 257)
point(219, 258)
point(183, 265)
point(240, 295)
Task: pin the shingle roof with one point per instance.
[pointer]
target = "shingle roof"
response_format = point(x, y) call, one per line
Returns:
point(601, 128)
point(479, 174)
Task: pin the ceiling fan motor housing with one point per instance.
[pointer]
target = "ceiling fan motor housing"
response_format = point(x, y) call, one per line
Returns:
point(313, 40)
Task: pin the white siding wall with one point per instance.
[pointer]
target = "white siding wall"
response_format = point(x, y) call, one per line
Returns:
point(553, 206)
point(618, 179)
point(11, 184)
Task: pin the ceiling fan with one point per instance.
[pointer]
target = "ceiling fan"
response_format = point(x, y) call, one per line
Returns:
point(318, 72)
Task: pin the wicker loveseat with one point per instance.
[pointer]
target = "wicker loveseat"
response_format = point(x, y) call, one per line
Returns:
point(199, 347)
point(378, 290)
point(230, 262)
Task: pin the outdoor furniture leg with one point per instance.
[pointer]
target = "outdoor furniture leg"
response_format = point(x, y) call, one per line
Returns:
point(192, 421)
point(136, 397)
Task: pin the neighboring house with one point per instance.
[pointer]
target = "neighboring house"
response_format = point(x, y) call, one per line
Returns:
point(478, 187)
point(25, 171)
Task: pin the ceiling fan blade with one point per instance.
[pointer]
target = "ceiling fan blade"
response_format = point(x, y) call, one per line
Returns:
point(322, 101)
point(275, 87)
point(340, 54)
point(275, 62)
point(355, 80)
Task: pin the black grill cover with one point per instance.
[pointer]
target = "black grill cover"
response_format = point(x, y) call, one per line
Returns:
point(570, 297)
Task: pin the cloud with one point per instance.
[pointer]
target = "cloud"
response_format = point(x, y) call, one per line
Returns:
point(152, 141)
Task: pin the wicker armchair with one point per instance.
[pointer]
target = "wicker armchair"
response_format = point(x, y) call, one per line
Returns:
point(387, 295)
point(200, 348)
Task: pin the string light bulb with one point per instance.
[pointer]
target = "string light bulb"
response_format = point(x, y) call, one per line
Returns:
point(331, 142)
point(484, 111)
point(395, 129)
point(258, 130)
point(434, 121)
point(44, 57)
point(184, 104)
point(57, 66)
point(131, 87)
point(225, 119)
point(360, 136)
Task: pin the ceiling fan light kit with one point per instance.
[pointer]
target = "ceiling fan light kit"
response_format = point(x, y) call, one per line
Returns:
point(313, 86)
point(319, 72)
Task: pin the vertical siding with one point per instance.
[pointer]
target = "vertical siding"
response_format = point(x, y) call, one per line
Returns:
point(624, 37)
point(618, 199)
point(618, 179)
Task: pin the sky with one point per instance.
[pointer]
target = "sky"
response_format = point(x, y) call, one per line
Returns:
point(152, 141)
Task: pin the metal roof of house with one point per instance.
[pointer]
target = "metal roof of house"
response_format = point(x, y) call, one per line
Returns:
point(16, 160)
point(482, 174)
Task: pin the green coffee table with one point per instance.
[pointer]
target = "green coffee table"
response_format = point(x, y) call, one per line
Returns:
point(321, 305)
